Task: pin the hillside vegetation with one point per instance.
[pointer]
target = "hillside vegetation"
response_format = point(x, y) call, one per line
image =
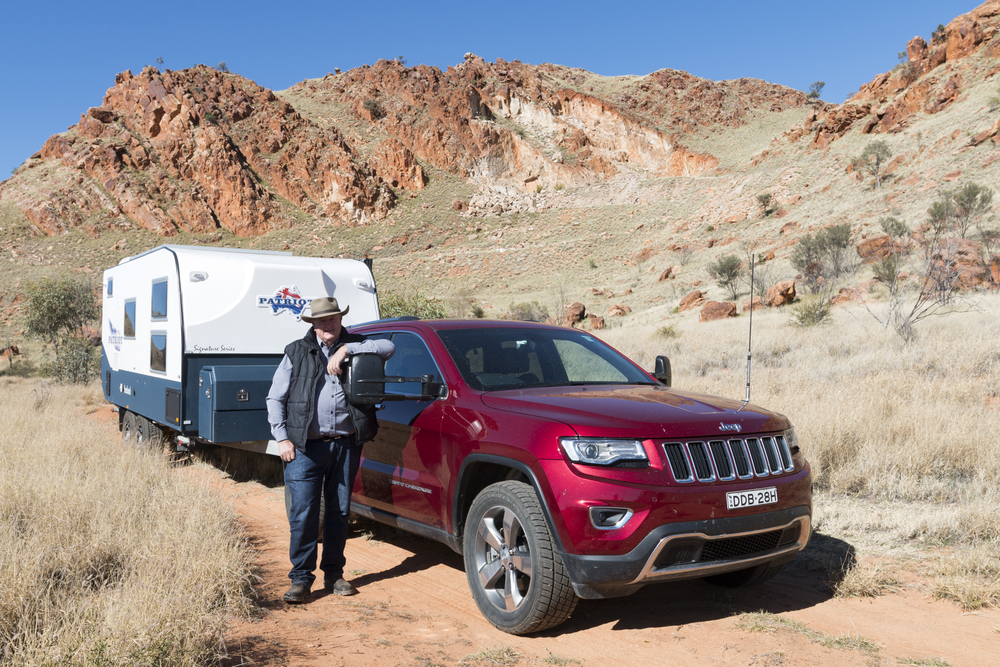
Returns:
point(504, 182)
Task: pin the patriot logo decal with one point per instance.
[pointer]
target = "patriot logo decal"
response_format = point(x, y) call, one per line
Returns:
point(114, 337)
point(286, 298)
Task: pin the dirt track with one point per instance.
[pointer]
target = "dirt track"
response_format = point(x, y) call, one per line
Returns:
point(414, 608)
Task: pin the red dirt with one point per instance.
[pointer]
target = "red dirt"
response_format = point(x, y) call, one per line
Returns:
point(414, 607)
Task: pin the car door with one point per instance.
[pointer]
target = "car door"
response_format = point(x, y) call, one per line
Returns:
point(399, 468)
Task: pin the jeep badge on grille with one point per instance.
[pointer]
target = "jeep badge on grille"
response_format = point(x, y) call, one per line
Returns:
point(730, 427)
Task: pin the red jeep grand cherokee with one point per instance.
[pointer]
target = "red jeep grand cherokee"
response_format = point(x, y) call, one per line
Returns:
point(560, 469)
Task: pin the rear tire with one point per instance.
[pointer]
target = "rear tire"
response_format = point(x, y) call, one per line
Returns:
point(516, 577)
point(748, 577)
point(155, 436)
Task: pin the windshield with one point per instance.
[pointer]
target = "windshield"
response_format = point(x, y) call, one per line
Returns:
point(513, 358)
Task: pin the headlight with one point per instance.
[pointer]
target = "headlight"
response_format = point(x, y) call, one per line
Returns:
point(604, 452)
point(792, 441)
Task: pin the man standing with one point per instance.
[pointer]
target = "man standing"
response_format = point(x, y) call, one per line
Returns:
point(319, 437)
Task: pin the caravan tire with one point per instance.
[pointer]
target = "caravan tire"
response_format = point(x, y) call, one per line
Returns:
point(155, 436)
point(322, 510)
point(129, 429)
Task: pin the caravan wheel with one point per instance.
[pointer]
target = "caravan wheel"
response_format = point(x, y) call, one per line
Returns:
point(129, 429)
point(154, 435)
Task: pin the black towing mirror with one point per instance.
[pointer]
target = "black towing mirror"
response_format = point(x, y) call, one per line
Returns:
point(661, 371)
point(365, 379)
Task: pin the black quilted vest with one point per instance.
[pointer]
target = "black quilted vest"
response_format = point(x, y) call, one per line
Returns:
point(308, 364)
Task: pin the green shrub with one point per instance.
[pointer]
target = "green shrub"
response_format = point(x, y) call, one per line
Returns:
point(887, 270)
point(374, 108)
point(668, 331)
point(528, 312)
point(811, 312)
point(768, 203)
point(79, 361)
point(726, 271)
point(478, 312)
point(410, 303)
point(59, 312)
point(873, 160)
point(894, 227)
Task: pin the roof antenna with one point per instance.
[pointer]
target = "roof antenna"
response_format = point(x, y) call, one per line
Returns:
point(750, 334)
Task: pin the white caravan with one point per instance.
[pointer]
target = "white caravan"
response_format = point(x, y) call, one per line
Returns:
point(191, 336)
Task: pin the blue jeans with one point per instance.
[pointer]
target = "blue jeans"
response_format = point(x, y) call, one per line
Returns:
point(327, 468)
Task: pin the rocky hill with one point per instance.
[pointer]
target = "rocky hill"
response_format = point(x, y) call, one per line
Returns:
point(501, 182)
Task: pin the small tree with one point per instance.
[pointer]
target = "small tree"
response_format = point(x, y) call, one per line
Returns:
point(834, 243)
point(767, 202)
point(59, 312)
point(938, 36)
point(807, 259)
point(727, 271)
point(222, 67)
point(814, 90)
point(972, 202)
point(873, 160)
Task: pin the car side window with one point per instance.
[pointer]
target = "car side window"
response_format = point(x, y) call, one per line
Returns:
point(411, 359)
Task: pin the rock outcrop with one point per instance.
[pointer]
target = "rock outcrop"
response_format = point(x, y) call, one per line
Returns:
point(198, 150)
point(781, 294)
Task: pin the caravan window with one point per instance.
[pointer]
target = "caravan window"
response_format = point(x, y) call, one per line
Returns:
point(128, 326)
point(158, 352)
point(159, 309)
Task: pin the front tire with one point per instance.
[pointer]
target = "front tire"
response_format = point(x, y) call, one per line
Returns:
point(516, 577)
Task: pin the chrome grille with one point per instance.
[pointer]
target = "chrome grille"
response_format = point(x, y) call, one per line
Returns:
point(724, 460)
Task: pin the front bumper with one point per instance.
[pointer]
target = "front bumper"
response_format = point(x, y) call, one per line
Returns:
point(693, 549)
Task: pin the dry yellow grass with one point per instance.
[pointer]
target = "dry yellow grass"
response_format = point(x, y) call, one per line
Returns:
point(106, 557)
point(901, 438)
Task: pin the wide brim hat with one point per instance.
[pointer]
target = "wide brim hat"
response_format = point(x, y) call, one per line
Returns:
point(325, 306)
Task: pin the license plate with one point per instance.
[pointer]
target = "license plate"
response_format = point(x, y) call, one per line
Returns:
point(739, 499)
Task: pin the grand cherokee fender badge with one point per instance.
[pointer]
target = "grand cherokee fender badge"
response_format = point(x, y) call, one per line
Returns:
point(730, 427)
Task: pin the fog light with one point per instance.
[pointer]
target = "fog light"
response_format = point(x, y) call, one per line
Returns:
point(609, 518)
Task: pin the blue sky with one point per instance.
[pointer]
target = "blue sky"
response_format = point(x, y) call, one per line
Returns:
point(58, 58)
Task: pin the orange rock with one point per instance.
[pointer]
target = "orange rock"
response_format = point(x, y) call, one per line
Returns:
point(575, 312)
point(618, 310)
point(691, 300)
point(845, 295)
point(717, 310)
point(876, 249)
point(757, 304)
point(780, 294)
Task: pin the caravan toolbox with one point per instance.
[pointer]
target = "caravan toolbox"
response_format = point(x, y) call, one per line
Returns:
point(231, 403)
point(190, 336)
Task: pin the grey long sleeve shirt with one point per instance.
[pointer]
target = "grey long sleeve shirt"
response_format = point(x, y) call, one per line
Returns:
point(332, 417)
